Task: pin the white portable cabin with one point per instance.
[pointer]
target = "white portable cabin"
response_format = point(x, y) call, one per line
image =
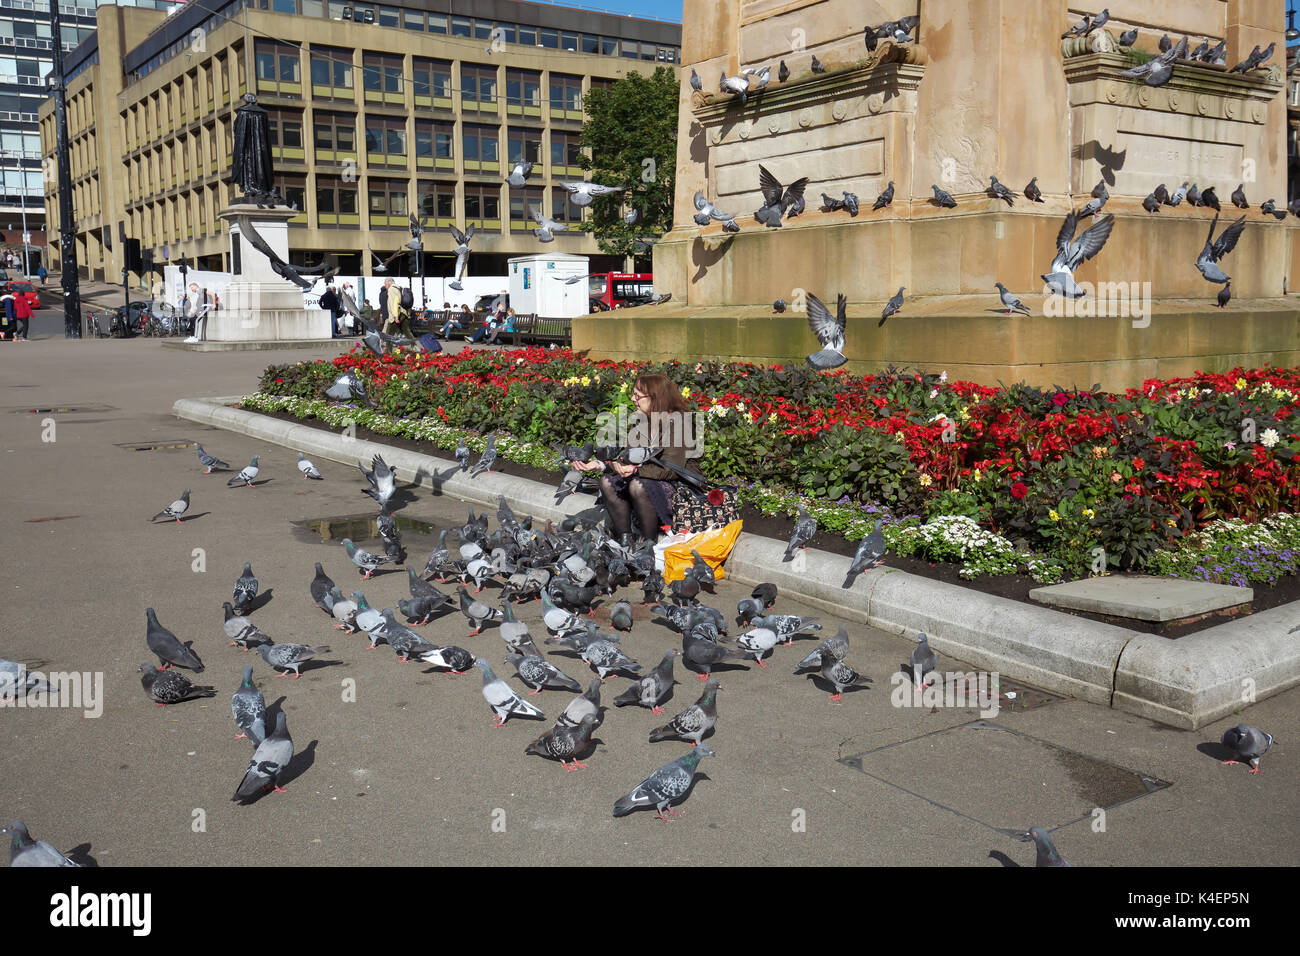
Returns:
point(537, 285)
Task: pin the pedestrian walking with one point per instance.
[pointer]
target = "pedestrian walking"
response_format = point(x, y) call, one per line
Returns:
point(23, 313)
point(42, 274)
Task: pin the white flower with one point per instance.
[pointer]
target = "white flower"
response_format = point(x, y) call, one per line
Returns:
point(740, 406)
point(943, 376)
point(934, 392)
point(1269, 438)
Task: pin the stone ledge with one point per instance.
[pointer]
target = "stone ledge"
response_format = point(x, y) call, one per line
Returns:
point(247, 345)
point(1185, 683)
point(1143, 597)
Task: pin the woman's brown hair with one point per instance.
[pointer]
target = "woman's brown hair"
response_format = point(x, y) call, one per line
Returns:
point(664, 395)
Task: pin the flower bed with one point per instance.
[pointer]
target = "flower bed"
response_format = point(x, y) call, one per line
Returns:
point(1055, 482)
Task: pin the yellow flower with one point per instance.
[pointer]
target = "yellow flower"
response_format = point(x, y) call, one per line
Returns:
point(771, 419)
point(1171, 522)
point(964, 414)
point(595, 378)
point(1241, 383)
point(1054, 516)
point(623, 387)
point(686, 392)
point(1098, 451)
point(925, 480)
point(1088, 512)
point(977, 474)
point(585, 381)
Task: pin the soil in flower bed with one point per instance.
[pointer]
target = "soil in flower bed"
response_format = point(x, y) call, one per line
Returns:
point(1015, 587)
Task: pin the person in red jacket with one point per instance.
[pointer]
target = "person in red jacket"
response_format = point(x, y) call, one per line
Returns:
point(23, 313)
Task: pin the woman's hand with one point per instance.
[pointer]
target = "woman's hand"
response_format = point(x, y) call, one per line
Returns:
point(589, 465)
point(622, 470)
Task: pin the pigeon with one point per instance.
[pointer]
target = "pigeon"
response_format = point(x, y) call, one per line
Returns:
point(893, 306)
point(24, 851)
point(778, 199)
point(565, 742)
point(669, 783)
point(1001, 192)
point(1080, 29)
point(176, 508)
point(606, 658)
point(871, 552)
point(1248, 743)
point(366, 562)
point(837, 647)
point(1009, 301)
point(705, 654)
point(787, 626)
point(569, 484)
point(248, 707)
point(420, 610)
point(685, 591)
point(1071, 254)
point(167, 648)
point(1161, 193)
point(1047, 855)
point(620, 616)
point(1193, 196)
point(924, 661)
point(829, 332)
point(585, 704)
point(270, 761)
point(1151, 203)
point(344, 611)
point(245, 590)
point(1219, 55)
point(941, 198)
point(1251, 61)
point(779, 306)
point(558, 620)
point(766, 593)
point(695, 721)
point(538, 673)
point(320, 588)
point(546, 226)
point(240, 630)
point(1165, 43)
point(477, 613)
point(696, 84)
point(1158, 71)
point(1179, 195)
point(783, 73)
point(209, 462)
point(731, 226)
point(15, 680)
point(171, 687)
point(1128, 37)
point(758, 641)
point(817, 65)
point(1100, 196)
point(487, 459)
point(582, 193)
point(1239, 197)
point(462, 254)
point(1032, 192)
point(519, 174)
point(886, 198)
point(503, 701)
point(462, 459)
point(382, 479)
point(707, 212)
point(651, 690)
point(840, 674)
point(761, 77)
point(348, 385)
point(1264, 57)
point(1225, 294)
point(630, 218)
point(735, 84)
point(1207, 261)
point(421, 588)
point(455, 659)
point(805, 528)
point(368, 619)
point(307, 468)
point(250, 471)
point(513, 631)
point(652, 587)
point(287, 657)
point(404, 641)
point(1200, 51)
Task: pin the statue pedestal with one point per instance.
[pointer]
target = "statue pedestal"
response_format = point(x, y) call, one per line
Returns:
point(258, 305)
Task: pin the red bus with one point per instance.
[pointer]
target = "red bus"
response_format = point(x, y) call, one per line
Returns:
point(622, 289)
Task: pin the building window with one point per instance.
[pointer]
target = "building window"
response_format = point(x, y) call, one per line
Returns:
point(388, 204)
point(334, 137)
point(478, 86)
point(527, 35)
point(437, 23)
point(460, 26)
point(566, 96)
point(294, 190)
point(562, 207)
point(336, 202)
point(331, 72)
point(521, 219)
point(382, 77)
point(523, 92)
point(437, 201)
point(523, 145)
point(433, 145)
point(483, 206)
point(565, 154)
point(277, 67)
point(388, 16)
point(431, 82)
point(479, 146)
point(412, 20)
point(549, 38)
point(589, 43)
point(386, 140)
point(286, 135)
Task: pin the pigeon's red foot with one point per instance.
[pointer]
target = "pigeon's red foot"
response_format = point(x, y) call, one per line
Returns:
point(835, 698)
point(241, 736)
point(761, 662)
point(498, 724)
point(656, 709)
point(282, 674)
point(161, 704)
point(1226, 762)
point(279, 789)
point(533, 693)
point(703, 678)
point(1256, 770)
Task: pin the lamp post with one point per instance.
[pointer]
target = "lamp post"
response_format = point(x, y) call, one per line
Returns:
point(67, 231)
point(22, 198)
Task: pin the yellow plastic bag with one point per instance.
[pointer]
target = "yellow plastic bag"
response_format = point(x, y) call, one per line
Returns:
point(713, 545)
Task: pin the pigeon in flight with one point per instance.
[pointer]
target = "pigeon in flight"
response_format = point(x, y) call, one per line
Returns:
point(176, 508)
point(462, 254)
point(777, 199)
point(546, 226)
point(670, 782)
point(829, 332)
point(1046, 855)
point(892, 307)
point(998, 191)
point(270, 761)
point(382, 479)
point(584, 192)
point(294, 274)
point(381, 265)
point(1072, 253)
point(941, 198)
point(696, 85)
point(1248, 743)
point(24, 851)
point(519, 175)
point(707, 211)
point(1158, 71)
point(250, 471)
point(761, 77)
point(1207, 261)
point(1009, 301)
point(210, 462)
point(1032, 192)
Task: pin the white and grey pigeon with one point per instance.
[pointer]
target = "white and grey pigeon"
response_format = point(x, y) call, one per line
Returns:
point(1158, 71)
point(1072, 253)
point(546, 226)
point(504, 702)
point(519, 174)
point(738, 85)
point(669, 783)
point(1179, 195)
point(892, 307)
point(829, 332)
point(805, 528)
point(248, 707)
point(1009, 301)
point(210, 462)
point(586, 704)
point(249, 472)
point(176, 508)
point(837, 646)
point(1216, 249)
point(270, 761)
point(786, 626)
point(758, 641)
point(245, 593)
point(870, 553)
point(462, 255)
point(383, 481)
point(707, 212)
point(24, 851)
point(1046, 855)
point(539, 673)
point(366, 562)
point(289, 657)
point(584, 192)
point(16, 681)
point(761, 77)
point(695, 721)
point(343, 611)
point(1248, 743)
point(307, 469)
point(924, 661)
point(488, 458)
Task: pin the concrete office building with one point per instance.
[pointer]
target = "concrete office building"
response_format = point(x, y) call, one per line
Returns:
point(376, 111)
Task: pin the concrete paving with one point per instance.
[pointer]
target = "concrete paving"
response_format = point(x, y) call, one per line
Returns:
point(1143, 597)
point(396, 765)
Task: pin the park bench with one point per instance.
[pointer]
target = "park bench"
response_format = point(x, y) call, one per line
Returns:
point(533, 330)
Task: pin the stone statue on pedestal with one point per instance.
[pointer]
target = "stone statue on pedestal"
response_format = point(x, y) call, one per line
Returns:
point(253, 171)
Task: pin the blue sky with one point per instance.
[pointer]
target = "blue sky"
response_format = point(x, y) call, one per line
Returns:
point(659, 9)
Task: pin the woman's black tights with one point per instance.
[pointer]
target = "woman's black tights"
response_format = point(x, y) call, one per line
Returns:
point(620, 507)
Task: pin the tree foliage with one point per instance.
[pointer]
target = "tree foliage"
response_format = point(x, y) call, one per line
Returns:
point(631, 130)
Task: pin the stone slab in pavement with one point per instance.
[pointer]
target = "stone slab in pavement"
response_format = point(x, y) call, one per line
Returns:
point(1144, 597)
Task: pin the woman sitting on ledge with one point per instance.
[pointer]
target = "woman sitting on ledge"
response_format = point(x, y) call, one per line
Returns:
point(647, 488)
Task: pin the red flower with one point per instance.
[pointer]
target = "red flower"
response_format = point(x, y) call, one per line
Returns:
point(1139, 464)
point(1019, 490)
point(716, 497)
point(1060, 398)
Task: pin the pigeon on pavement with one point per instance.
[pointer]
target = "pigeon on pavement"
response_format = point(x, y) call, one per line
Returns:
point(170, 687)
point(669, 783)
point(1047, 855)
point(167, 647)
point(837, 646)
point(245, 590)
point(924, 661)
point(539, 673)
point(455, 659)
point(176, 508)
point(209, 462)
point(307, 468)
point(287, 657)
point(366, 562)
point(787, 626)
point(240, 630)
point(840, 674)
point(250, 471)
point(758, 641)
point(270, 761)
point(586, 703)
point(695, 721)
point(502, 699)
point(24, 851)
point(248, 707)
point(651, 690)
point(564, 742)
point(1248, 743)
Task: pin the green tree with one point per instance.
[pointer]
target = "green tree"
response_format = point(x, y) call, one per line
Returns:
point(631, 131)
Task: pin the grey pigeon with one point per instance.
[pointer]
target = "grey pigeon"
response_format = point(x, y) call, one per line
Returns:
point(248, 707)
point(707, 212)
point(779, 306)
point(765, 592)
point(1179, 195)
point(787, 626)
point(1225, 295)
point(1009, 301)
point(1207, 261)
point(487, 459)
point(1248, 743)
point(582, 193)
point(1101, 19)
point(1046, 855)
point(307, 469)
point(348, 385)
point(817, 65)
point(176, 508)
point(1032, 192)
point(1071, 253)
point(886, 198)
point(240, 630)
point(651, 690)
point(1193, 196)
point(451, 658)
point(343, 611)
point(1158, 71)
point(1165, 43)
point(783, 73)
point(462, 251)
point(696, 84)
point(1161, 193)
point(287, 657)
point(404, 641)
point(421, 588)
point(1128, 37)
point(606, 658)
point(1080, 29)
point(366, 562)
point(270, 761)
point(249, 472)
point(924, 661)
point(758, 641)
point(1251, 61)
point(778, 199)
point(1001, 192)
point(731, 226)
point(539, 673)
point(669, 783)
point(210, 462)
point(586, 703)
point(829, 332)
point(1239, 197)
point(24, 851)
point(705, 654)
point(1099, 198)
point(564, 742)
point(805, 528)
point(871, 552)
point(546, 226)
point(620, 616)
point(1219, 55)
point(892, 307)
point(941, 198)
point(1200, 52)
point(519, 174)
point(747, 609)
point(1151, 203)
point(170, 687)
point(476, 612)
point(504, 702)
point(836, 646)
point(840, 674)
point(382, 479)
point(695, 721)
point(16, 681)
point(168, 649)
point(462, 458)
point(245, 590)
